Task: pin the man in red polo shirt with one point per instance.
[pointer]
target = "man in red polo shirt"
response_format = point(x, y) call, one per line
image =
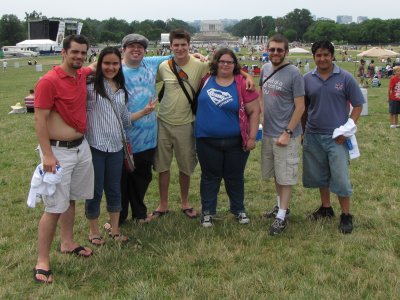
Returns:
point(60, 122)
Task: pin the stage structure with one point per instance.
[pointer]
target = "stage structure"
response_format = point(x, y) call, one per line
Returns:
point(53, 29)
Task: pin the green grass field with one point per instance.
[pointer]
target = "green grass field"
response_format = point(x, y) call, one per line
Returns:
point(175, 258)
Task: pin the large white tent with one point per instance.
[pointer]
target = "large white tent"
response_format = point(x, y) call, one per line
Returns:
point(378, 52)
point(45, 45)
point(298, 50)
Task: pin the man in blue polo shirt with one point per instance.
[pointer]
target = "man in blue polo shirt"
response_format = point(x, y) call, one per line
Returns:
point(329, 90)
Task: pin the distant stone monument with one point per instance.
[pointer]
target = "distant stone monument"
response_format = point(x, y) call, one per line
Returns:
point(211, 28)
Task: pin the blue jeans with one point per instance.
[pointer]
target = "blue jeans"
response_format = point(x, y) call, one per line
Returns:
point(107, 177)
point(221, 158)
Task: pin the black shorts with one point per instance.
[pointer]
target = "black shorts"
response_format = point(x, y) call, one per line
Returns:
point(394, 107)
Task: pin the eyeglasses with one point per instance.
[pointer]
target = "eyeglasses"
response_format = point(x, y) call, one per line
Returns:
point(278, 50)
point(226, 62)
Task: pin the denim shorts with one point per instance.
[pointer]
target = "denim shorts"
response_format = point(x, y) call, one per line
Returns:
point(326, 164)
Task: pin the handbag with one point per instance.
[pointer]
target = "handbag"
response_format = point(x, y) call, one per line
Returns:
point(129, 163)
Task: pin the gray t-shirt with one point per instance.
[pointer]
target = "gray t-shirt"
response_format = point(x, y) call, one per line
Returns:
point(278, 94)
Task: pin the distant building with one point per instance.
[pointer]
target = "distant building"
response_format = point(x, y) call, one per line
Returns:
point(324, 19)
point(361, 19)
point(344, 19)
point(211, 28)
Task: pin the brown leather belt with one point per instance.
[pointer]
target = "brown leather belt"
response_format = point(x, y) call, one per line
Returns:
point(67, 144)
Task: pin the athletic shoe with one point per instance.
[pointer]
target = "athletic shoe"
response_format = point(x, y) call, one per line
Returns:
point(322, 213)
point(242, 218)
point(273, 212)
point(346, 223)
point(206, 221)
point(393, 126)
point(277, 227)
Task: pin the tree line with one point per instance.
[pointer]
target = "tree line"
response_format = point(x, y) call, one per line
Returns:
point(297, 25)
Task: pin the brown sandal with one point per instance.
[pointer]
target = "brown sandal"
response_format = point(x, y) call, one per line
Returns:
point(97, 240)
point(118, 237)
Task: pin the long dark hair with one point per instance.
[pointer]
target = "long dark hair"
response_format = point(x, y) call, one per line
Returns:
point(119, 78)
point(217, 55)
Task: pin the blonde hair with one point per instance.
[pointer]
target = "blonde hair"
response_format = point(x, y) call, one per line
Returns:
point(395, 68)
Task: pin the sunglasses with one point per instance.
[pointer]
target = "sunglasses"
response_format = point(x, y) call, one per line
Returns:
point(278, 50)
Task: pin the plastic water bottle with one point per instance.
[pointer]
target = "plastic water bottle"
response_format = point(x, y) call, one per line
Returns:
point(349, 144)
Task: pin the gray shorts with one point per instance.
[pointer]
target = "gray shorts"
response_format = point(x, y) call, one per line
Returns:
point(77, 177)
point(178, 139)
point(280, 162)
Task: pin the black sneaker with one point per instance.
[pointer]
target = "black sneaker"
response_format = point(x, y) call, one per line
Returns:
point(273, 212)
point(322, 213)
point(206, 221)
point(277, 227)
point(346, 223)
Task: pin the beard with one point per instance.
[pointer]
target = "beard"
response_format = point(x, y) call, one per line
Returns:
point(276, 62)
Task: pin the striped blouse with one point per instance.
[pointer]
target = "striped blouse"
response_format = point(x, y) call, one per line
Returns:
point(103, 128)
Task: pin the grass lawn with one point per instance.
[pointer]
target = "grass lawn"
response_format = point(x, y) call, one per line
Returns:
point(174, 258)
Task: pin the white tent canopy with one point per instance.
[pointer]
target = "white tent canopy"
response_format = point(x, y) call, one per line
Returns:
point(298, 50)
point(378, 52)
point(43, 45)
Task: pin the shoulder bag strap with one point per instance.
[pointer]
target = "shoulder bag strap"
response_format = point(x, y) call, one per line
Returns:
point(272, 74)
point(180, 81)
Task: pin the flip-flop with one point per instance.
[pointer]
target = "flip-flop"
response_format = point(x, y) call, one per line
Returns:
point(157, 214)
point(97, 240)
point(189, 212)
point(77, 251)
point(46, 273)
point(118, 237)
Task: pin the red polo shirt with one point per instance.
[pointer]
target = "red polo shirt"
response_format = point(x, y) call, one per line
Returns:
point(64, 94)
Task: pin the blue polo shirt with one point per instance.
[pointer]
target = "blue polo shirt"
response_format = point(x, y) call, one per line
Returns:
point(329, 100)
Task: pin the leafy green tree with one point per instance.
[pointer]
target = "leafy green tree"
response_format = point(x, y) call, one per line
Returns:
point(91, 29)
point(11, 30)
point(375, 31)
point(268, 24)
point(323, 30)
point(291, 35)
point(298, 20)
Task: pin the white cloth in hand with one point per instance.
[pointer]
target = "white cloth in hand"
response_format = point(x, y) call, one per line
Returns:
point(43, 183)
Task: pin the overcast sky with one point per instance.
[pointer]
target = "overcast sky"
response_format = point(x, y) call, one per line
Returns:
point(189, 10)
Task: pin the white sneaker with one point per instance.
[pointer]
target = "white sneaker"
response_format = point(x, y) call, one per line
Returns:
point(393, 126)
point(206, 221)
point(243, 218)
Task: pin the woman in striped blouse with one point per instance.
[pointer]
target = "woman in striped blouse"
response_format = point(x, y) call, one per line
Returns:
point(106, 113)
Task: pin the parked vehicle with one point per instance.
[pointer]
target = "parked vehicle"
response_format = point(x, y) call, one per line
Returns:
point(20, 51)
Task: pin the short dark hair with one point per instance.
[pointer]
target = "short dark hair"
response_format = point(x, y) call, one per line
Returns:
point(119, 77)
point(323, 44)
point(77, 38)
point(179, 33)
point(278, 38)
point(217, 55)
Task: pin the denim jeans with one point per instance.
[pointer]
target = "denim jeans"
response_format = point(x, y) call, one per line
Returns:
point(107, 177)
point(221, 158)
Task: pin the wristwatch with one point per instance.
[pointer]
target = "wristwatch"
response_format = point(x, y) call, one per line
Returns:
point(288, 131)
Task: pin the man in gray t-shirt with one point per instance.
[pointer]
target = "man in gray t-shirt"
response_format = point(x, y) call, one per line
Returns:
point(282, 90)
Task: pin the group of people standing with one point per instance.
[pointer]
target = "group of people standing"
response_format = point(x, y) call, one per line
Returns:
point(81, 128)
